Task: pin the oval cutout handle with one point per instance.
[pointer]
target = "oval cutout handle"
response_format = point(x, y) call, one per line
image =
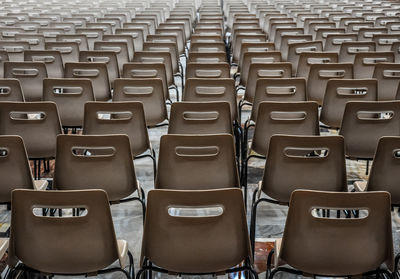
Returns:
point(63, 50)
point(93, 151)
point(352, 91)
point(319, 212)
point(195, 211)
point(14, 49)
point(152, 60)
point(375, 115)
point(44, 59)
point(5, 90)
point(28, 115)
point(270, 73)
point(100, 59)
point(280, 90)
point(201, 115)
point(144, 73)
point(86, 73)
point(138, 90)
point(374, 60)
point(315, 60)
point(331, 73)
point(306, 152)
point(197, 151)
point(67, 90)
point(4, 152)
point(114, 115)
point(19, 72)
point(208, 73)
point(288, 115)
point(210, 90)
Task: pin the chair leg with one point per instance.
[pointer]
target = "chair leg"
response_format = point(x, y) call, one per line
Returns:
point(154, 158)
point(131, 265)
point(253, 223)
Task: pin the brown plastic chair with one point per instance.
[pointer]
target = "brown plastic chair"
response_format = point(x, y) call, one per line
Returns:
point(102, 118)
point(364, 123)
point(208, 71)
point(36, 41)
point(334, 41)
point(128, 39)
point(348, 50)
point(200, 118)
point(339, 92)
point(207, 57)
point(51, 58)
point(69, 50)
point(87, 162)
point(384, 42)
point(149, 91)
point(80, 39)
point(120, 49)
point(107, 57)
point(208, 47)
point(185, 159)
point(70, 95)
point(364, 62)
point(308, 58)
point(89, 247)
point(30, 75)
point(15, 169)
point(15, 49)
point(92, 35)
point(309, 247)
point(138, 70)
point(37, 123)
point(96, 72)
point(195, 251)
point(11, 91)
point(295, 49)
point(388, 78)
point(255, 47)
point(320, 74)
point(300, 162)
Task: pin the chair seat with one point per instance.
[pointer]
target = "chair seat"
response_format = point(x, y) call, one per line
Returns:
point(3, 246)
point(40, 185)
point(360, 186)
point(122, 253)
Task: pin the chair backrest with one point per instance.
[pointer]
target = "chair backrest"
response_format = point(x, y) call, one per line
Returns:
point(308, 235)
point(95, 71)
point(156, 57)
point(388, 77)
point(264, 70)
point(364, 123)
point(88, 162)
point(212, 90)
point(306, 59)
point(102, 118)
point(128, 39)
point(37, 123)
point(90, 244)
point(69, 50)
point(255, 47)
point(80, 39)
point(207, 57)
point(30, 75)
point(295, 49)
point(184, 159)
point(51, 58)
point(364, 62)
point(339, 92)
point(10, 90)
point(107, 57)
point(165, 47)
point(36, 41)
point(120, 49)
point(250, 58)
point(92, 35)
point(384, 42)
point(14, 167)
point(15, 49)
point(384, 171)
point(334, 41)
point(293, 118)
point(200, 118)
point(278, 90)
point(304, 162)
point(3, 58)
point(206, 70)
point(321, 73)
point(194, 250)
point(348, 50)
point(149, 91)
point(70, 95)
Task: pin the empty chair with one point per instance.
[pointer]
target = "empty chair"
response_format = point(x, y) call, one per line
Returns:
point(388, 77)
point(364, 123)
point(30, 75)
point(308, 236)
point(200, 118)
point(15, 49)
point(87, 162)
point(306, 59)
point(120, 48)
point(295, 49)
point(80, 39)
point(96, 72)
point(51, 58)
point(255, 47)
point(107, 57)
point(185, 159)
point(3, 58)
point(92, 35)
point(313, 162)
point(37, 123)
point(348, 50)
point(195, 251)
point(90, 245)
point(69, 50)
point(149, 91)
point(10, 90)
point(250, 58)
point(15, 169)
point(102, 118)
point(364, 62)
point(70, 95)
point(36, 41)
point(334, 41)
point(206, 70)
point(207, 57)
point(339, 92)
point(128, 39)
point(320, 74)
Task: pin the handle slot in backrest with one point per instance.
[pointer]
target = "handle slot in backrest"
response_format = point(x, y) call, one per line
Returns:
point(319, 212)
point(208, 73)
point(357, 49)
point(257, 49)
point(391, 73)
point(210, 90)
point(20, 72)
point(5, 90)
point(85, 73)
point(209, 60)
point(28, 115)
point(75, 211)
point(375, 115)
point(160, 49)
point(373, 60)
point(387, 41)
point(315, 60)
point(72, 40)
point(3, 152)
point(111, 48)
point(138, 90)
point(370, 34)
point(288, 115)
point(351, 91)
point(152, 60)
point(144, 73)
point(305, 49)
point(205, 211)
point(331, 73)
point(262, 60)
point(200, 115)
point(14, 49)
point(114, 115)
point(100, 59)
point(44, 59)
point(294, 41)
point(197, 151)
point(340, 41)
point(270, 73)
point(69, 90)
point(396, 153)
point(207, 49)
point(91, 34)
point(306, 152)
point(280, 90)
point(93, 151)
point(33, 42)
